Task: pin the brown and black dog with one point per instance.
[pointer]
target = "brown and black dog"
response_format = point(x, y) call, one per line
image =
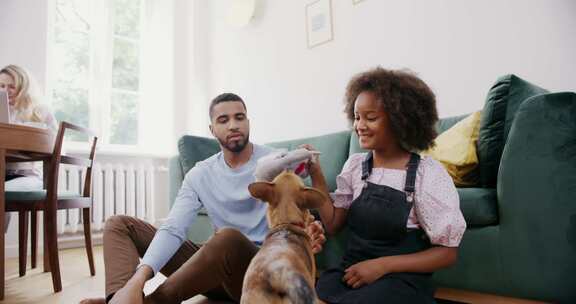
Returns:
point(284, 269)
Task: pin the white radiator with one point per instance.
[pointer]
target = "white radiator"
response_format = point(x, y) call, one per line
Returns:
point(117, 188)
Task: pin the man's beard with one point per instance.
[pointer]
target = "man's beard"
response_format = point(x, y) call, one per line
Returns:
point(234, 146)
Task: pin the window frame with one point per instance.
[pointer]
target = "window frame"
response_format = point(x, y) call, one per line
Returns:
point(100, 68)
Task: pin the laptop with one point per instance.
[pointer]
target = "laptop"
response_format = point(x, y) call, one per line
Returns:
point(4, 108)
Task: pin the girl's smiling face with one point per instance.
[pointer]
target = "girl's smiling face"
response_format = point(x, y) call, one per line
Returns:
point(371, 122)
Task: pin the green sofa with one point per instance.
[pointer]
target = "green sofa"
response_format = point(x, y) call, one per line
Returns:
point(521, 236)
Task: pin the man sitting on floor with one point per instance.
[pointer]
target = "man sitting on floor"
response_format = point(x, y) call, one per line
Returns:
point(220, 185)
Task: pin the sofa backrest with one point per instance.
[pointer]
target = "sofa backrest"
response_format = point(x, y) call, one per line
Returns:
point(447, 123)
point(334, 148)
point(193, 149)
point(502, 102)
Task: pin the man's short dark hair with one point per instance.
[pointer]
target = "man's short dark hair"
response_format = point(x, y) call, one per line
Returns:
point(225, 97)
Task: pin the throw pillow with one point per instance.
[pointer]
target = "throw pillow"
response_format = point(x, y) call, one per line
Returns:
point(456, 150)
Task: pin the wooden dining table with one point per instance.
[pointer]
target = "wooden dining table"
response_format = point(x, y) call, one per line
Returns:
point(19, 143)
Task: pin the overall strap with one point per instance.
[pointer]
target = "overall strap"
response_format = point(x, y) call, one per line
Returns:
point(367, 165)
point(411, 170)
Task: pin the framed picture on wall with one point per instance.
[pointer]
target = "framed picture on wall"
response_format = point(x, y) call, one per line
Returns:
point(318, 22)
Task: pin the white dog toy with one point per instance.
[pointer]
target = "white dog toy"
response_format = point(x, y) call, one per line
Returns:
point(269, 166)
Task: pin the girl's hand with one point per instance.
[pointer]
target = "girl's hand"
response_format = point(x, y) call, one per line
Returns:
point(316, 233)
point(365, 272)
point(313, 165)
point(314, 159)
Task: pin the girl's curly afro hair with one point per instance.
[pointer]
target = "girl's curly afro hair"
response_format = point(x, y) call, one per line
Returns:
point(407, 100)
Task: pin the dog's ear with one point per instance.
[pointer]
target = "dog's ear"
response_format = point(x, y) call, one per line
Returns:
point(263, 191)
point(312, 198)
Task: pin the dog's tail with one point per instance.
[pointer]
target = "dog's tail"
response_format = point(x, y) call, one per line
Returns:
point(291, 287)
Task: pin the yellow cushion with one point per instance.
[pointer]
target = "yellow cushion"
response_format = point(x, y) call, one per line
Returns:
point(456, 150)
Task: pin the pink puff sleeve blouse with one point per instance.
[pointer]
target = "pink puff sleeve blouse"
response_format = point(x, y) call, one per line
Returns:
point(436, 204)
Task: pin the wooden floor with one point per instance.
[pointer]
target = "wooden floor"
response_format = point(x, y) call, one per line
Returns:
point(77, 284)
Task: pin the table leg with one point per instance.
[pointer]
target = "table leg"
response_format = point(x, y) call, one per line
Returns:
point(2, 213)
point(46, 166)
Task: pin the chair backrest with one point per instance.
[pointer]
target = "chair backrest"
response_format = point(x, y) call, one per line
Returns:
point(58, 158)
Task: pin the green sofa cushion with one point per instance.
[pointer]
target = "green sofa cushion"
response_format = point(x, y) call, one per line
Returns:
point(479, 267)
point(502, 101)
point(334, 148)
point(479, 206)
point(193, 149)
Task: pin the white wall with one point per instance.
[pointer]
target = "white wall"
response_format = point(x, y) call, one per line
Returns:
point(458, 47)
point(23, 38)
point(191, 70)
point(23, 41)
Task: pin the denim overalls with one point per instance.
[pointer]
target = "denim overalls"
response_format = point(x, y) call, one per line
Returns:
point(377, 221)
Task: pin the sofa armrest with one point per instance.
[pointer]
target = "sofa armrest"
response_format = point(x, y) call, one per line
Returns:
point(537, 191)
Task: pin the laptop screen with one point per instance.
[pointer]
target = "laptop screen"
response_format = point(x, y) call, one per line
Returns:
point(4, 108)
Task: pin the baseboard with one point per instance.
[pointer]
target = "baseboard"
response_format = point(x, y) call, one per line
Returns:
point(466, 296)
point(77, 240)
point(65, 241)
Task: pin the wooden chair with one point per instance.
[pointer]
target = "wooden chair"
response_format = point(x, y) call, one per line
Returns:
point(49, 201)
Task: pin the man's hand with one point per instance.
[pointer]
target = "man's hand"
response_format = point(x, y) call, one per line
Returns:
point(316, 233)
point(128, 294)
point(365, 272)
point(132, 292)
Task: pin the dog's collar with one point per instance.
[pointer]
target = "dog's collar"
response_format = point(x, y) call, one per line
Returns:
point(299, 229)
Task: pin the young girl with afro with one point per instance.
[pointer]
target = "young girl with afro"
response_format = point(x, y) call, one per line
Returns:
point(402, 209)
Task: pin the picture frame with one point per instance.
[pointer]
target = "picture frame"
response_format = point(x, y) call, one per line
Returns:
point(319, 23)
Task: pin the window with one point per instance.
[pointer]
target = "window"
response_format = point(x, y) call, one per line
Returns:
point(95, 67)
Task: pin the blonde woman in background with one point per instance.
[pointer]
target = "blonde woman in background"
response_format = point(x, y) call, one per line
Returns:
point(25, 110)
